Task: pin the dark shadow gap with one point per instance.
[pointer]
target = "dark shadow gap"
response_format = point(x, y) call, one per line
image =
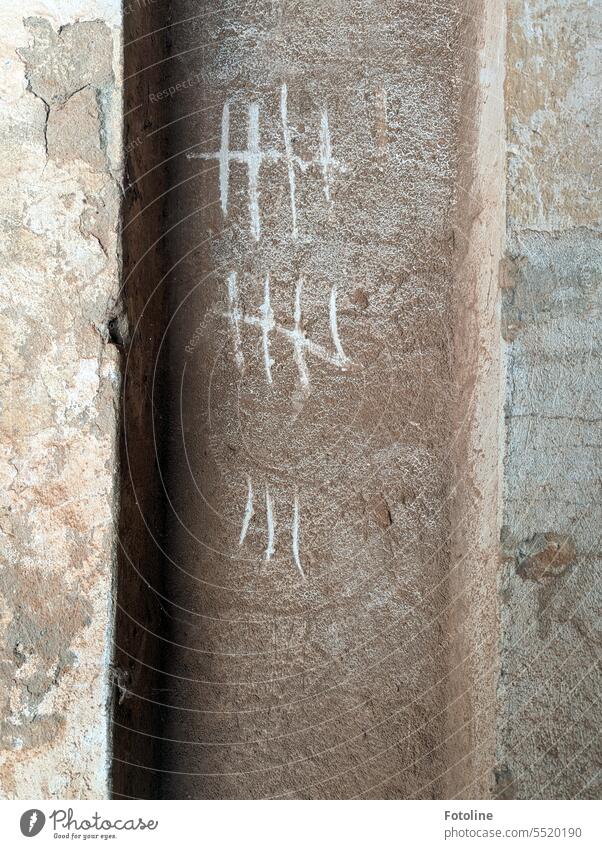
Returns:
point(139, 331)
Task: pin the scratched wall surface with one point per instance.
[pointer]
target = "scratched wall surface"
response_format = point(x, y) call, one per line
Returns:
point(60, 197)
point(549, 711)
point(314, 160)
point(308, 586)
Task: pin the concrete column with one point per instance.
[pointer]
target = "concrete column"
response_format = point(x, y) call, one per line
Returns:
point(318, 356)
point(60, 100)
point(549, 715)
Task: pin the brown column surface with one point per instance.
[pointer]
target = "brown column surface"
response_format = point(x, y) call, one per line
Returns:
point(312, 189)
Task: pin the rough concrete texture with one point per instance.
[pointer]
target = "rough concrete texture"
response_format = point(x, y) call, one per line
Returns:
point(310, 476)
point(549, 713)
point(59, 199)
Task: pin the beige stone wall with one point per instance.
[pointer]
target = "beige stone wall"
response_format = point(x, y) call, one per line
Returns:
point(549, 715)
point(60, 103)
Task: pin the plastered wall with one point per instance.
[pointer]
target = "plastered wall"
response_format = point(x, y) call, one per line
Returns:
point(548, 714)
point(60, 196)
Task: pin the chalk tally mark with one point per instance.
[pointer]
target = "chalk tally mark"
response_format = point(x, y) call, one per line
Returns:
point(249, 512)
point(254, 156)
point(267, 325)
point(270, 548)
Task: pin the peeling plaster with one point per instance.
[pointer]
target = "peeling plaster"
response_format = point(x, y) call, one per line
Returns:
point(59, 254)
point(548, 716)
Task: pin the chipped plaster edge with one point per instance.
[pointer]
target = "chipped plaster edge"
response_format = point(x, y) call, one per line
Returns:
point(14, 38)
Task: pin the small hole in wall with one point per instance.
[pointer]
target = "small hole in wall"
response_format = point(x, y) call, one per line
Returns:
point(114, 332)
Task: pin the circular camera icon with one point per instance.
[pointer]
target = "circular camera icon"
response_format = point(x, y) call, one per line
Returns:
point(32, 822)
